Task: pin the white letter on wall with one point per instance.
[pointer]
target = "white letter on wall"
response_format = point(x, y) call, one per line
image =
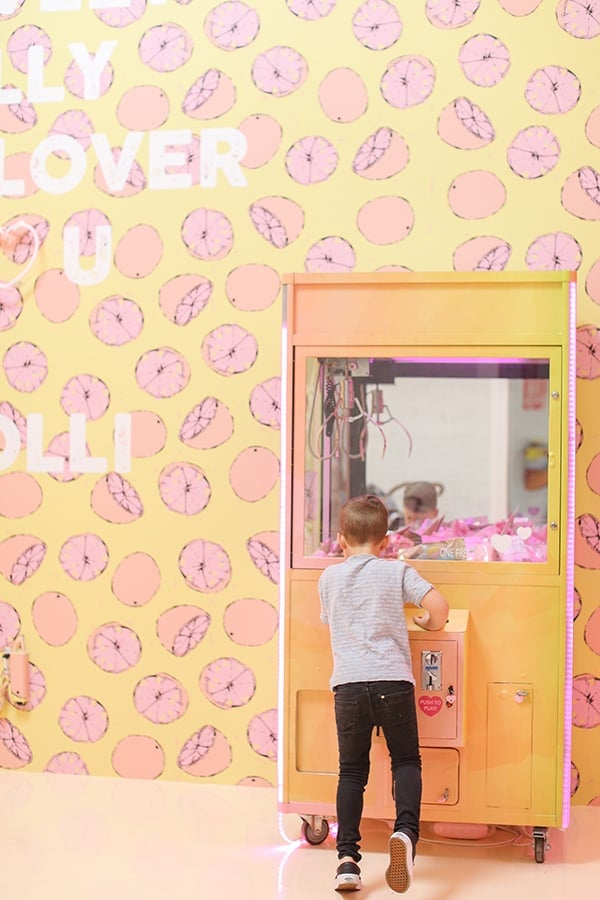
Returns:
point(71, 265)
point(66, 144)
point(115, 173)
point(92, 65)
point(79, 461)
point(122, 442)
point(12, 442)
point(160, 158)
point(37, 91)
point(211, 159)
point(36, 461)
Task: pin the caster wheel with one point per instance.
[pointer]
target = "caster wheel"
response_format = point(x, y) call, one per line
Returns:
point(315, 835)
point(539, 848)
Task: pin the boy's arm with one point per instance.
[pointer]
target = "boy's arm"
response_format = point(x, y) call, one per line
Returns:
point(436, 611)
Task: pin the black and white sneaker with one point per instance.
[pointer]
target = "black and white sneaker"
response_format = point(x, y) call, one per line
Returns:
point(399, 873)
point(347, 877)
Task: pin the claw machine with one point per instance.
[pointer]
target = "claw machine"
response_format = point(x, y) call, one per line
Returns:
point(464, 381)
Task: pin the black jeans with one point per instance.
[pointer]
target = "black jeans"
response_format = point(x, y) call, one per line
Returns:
point(359, 708)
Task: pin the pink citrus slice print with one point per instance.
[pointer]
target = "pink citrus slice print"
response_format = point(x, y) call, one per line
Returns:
point(10, 624)
point(580, 194)
point(482, 254)
point(114, 648)
point(17, 418)
point(592, 631)
point(207, 234)
point(57, 298)
point(265, 402)
point(232, 25)
point(66, 763)
point(205, 566)
point(519, 7)
point(262, 733)
point(84, 556)
point(311, 160)
point(143, 108)
point(122, 16)
point(15, 752)
point(115, 500)
point(148, 433)
point(21, 555)
point(331, 254)
point(592, 127)
point(556, 250)
point(252, 287)
point(230, 349)
point(160, 698)
point(211, 95)
point(16, 9)
point(279, 71)
point(138, 756)
point(139, 251)
point(183, 297)
point(21, 40)
point(85, 394)
point(54, 618)
point(136, 579)
point(575, 779)
point(75, 82)
point(16, 118)
point(451, 13)
point(165, 47)
point(311, 10)
point(184, 488)
point(278, 220)
point(162, 372)
point(592, 282)
point(87, 221)
point(343, 95)
point(22, 247)
point(74, 123)
point(182, 628)
point(83, 719)
point(250, 622)
point(263, 549)
point(586, 701)
point(37, 689)
point(382, 155)
point(579, 18)
point(587, 542)
point(476, 195)
point(227, 683)
point(588, 352)
point(206, 753)
point(25, 367)
point(116, 321)
point(254, 473)
point(484, 59)
point(263, 136)
point(376, 24)
point(533, 152)
point(60, 445)
point(385, 220)
point(11, 306)
point(464, 125)
point(408, 81)
point(255, 781)
point(20, 495)
point(552, 90)
point(18, 166)
point(207, 425)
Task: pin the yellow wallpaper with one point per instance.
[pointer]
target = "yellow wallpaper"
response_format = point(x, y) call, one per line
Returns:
point(171, 160)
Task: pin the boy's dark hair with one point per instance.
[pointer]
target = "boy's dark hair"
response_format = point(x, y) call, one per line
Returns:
point(364, 519)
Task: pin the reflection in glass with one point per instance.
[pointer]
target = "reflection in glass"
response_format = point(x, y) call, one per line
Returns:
point(474, 430)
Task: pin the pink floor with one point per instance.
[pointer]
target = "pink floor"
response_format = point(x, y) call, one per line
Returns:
point(83, 838)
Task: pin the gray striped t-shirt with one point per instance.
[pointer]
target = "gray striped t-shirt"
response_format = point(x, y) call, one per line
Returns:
point(362, 602)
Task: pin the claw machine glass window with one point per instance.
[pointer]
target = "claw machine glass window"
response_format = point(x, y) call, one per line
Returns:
point(474, 432)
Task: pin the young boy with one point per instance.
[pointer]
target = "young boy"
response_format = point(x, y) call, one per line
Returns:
point(362, 602)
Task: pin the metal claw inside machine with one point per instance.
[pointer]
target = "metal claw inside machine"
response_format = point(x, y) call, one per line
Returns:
point(461, 384)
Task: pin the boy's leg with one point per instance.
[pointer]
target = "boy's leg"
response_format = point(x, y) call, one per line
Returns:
point(396, 713)
point(354, 723)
